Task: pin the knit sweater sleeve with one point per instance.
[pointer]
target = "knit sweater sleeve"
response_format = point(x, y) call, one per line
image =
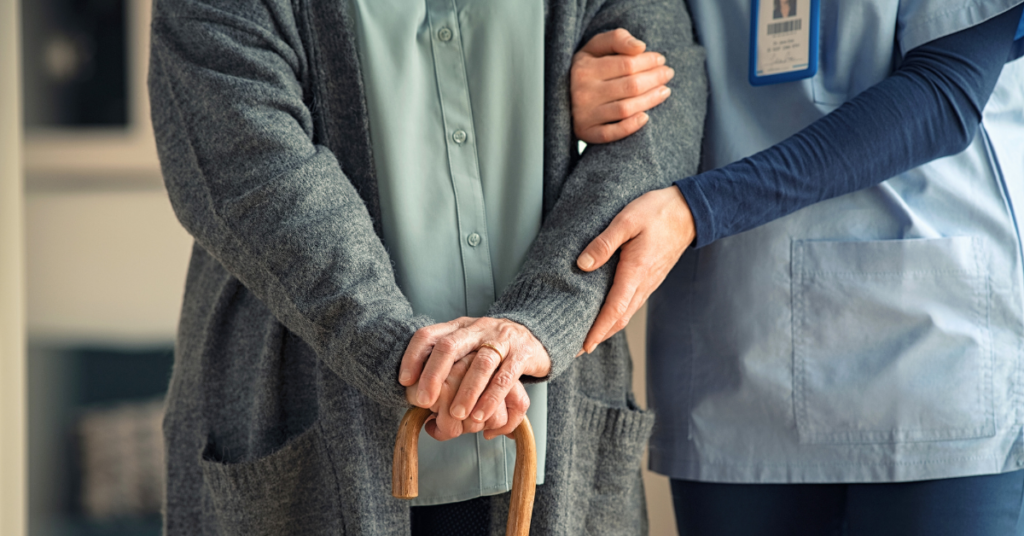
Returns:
point(928, 108)
point(235, 138)
point(550, 295)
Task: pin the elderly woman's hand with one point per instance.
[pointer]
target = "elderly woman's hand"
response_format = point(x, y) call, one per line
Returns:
point(442, 426)
point(479, 362)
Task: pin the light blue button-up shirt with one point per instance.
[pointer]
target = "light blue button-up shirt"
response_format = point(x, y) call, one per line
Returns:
point(874, 337)
point(455, 91)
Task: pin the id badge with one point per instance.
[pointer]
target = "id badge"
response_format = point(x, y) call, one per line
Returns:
point(783, 40)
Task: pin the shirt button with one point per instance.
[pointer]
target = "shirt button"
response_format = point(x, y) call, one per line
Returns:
point(459, 136)
point(473, 239)
point(444, 34)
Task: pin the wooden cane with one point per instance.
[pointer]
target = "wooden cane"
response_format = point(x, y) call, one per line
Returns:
point(406, 469)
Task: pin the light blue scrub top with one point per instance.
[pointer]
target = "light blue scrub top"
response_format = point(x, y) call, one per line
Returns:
point(875, 337)
point(455, 91)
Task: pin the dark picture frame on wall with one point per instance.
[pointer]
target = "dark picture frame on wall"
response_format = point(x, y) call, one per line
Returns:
point(84, 81)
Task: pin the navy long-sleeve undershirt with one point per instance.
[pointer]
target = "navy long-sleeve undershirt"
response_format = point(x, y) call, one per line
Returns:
point(930, 107)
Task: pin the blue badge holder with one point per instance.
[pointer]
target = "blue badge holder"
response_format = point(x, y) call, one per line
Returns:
point(812, 56)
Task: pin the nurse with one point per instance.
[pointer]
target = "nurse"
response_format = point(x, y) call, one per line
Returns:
point(841, 352)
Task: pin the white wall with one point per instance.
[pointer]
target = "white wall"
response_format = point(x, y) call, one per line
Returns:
point(12, 340)
point(104, 266)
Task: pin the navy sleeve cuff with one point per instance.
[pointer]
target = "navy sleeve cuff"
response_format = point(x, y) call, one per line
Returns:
point(703, 220)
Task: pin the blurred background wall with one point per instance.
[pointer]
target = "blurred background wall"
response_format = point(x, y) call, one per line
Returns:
point(106, 263)
point(12, 293)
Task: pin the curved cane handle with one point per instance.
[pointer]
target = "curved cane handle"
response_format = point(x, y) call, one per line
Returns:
point(406, 469)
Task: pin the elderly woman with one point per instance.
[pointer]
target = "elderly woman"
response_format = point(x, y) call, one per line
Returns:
point(355, 172)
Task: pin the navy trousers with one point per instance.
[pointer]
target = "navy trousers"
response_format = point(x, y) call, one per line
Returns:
point(989, 505)
point(466, 518)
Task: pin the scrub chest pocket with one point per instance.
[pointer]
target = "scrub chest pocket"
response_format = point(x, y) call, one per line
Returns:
point(891, 340)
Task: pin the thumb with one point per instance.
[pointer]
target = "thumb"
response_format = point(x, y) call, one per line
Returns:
point(411, 394)
point(606, 244)
point(614, 42)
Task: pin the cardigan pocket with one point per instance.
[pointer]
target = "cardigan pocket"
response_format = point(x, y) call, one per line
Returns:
point(606, 476)
point(290, 491)
point(891, 341)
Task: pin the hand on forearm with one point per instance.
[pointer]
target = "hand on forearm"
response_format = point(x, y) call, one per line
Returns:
point(652, 231)
point(478, 363)
point(613, 82)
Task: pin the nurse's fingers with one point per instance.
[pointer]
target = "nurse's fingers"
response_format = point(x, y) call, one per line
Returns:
point(639, 299)
point(619, 110)
point(656, 274)
point(662, 228)
point(618, 41)
point(517, 402)
point(632, 254)
point(588, 69)
point(612, 82)
point(600, 133)
point(420, 347)
point(629, 275)
point(623, 228)
point(616, 89)
point(631, 85)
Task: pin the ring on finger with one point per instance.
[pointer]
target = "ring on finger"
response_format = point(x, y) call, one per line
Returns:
point(494, 347)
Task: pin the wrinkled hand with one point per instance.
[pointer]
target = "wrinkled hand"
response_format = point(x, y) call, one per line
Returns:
point(442, 427)
point(653, 231)
point(613, 82)
point(483, 377)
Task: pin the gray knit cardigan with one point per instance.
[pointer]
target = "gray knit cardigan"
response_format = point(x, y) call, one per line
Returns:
point(284, 400)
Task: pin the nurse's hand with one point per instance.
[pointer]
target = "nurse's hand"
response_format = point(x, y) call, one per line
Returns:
point(613, 82)
point(653, 231)
point(502, 351)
